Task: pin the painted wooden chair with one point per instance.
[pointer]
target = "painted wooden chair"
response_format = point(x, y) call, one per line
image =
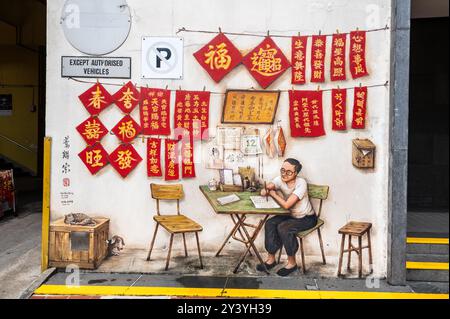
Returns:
point(174, 224)
point(319, 193)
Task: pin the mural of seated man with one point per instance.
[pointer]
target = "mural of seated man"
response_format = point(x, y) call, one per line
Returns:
point(291, 192)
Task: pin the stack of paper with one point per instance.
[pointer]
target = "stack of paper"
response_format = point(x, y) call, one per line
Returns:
point(262, 202)
point(228, 199)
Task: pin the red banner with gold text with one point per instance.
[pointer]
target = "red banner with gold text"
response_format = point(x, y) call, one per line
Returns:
point(299, 59)
point(358, 66)
point(155, 111)
point(172, 169)
point(339, 109)
point(360, 108)
point(306, 114)
point(154, 168)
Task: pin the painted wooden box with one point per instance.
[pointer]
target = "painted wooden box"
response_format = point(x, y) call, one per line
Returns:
point(84, 246)
point(363, 153)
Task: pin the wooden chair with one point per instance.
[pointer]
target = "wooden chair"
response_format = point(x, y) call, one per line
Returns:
point(320, 193)
point(174, 224)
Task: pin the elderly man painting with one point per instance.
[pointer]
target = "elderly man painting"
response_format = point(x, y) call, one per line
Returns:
point(291, 192)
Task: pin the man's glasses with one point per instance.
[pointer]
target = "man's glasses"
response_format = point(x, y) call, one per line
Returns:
point(286, 172)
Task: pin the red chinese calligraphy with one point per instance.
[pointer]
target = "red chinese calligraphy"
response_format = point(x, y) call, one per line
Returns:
point(96, 99)
point(155, 111)
point(318, 52)
point(154, 168)
point(127, 129)
point(172, 169)
point(187, 154)
point(266, 62)
point(360, 108)
point(192, 114)
point(92, 130)
point(125, 159)
point(358, 65)
point(127, 98)
point(94, 157)
point(219, 57)
point(299, 60)
point(338, 48)
point(306, 114)
point(339, 109)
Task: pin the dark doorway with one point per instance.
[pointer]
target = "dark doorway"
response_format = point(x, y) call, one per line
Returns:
point(428, 178)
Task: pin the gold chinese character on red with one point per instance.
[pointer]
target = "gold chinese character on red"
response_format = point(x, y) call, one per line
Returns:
point(96, 99)
point(127, 98)
point(266, 62)
point(127, 129)
point(92, 130)
point(125, 159)
point(219, 57)
point(94, 157)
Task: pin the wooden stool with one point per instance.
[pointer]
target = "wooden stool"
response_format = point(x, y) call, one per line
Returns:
point(356, 229)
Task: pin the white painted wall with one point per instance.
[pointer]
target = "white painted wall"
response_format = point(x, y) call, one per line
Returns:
point(354, 194)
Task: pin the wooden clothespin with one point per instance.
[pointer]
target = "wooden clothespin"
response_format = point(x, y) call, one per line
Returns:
point(268, 33)
point(320, 32)
point(318, 88)
point(204, 88)
point(220, 30)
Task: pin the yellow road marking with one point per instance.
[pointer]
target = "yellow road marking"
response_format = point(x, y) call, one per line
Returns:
point(227, 293)
point(434, 241)
point(426, 265)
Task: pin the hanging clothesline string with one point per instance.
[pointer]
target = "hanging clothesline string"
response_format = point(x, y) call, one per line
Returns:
point(183, 29)
point(223, 93)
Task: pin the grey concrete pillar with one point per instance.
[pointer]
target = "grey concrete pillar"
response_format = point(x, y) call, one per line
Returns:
point(398, 166)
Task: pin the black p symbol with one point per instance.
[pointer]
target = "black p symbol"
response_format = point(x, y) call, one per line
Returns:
point(166, 57)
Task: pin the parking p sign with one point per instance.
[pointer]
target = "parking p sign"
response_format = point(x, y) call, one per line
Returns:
point(162, 58)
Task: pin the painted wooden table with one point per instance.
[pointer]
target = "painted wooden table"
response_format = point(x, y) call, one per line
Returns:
point(238, 212)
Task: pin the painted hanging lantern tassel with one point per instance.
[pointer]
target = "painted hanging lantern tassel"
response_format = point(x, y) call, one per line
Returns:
point(219, 57)
point(172, 169)
point(127, 129)
point(299, 59)
point(339, 109)
point(187, 152)
point(125, 159)
point(266, 62)
point(360, 108)
point(358, 65)
point(318, 52)
point(306, 114)
point(127, 98)
point(154, 168)
point(192, 114)
point(94, 157)
point(338, 67)
point(92, 130)
point(96, 99)
point(155, 111)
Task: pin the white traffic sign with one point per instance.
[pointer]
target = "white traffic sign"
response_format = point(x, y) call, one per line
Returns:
point(162, 58)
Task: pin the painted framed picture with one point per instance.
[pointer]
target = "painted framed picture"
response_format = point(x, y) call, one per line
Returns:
point(226, 177)
point(214, 157)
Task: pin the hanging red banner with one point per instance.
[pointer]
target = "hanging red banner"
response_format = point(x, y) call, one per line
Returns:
point(125, 159)
point(96, 99)
point(155, 111)
point(127, 129)
point(187, 154)
point(266, 62)
point(154, 168)
point(306, 114)
point(94, 157)
point(337, 70)
point(318, 52)
point(219, 57)
point(192, 114)
point(172, 169)
point(358, 65)
point(299, 59)
point(92, 130)
point(339, 109)
point(360, 108)
point(127, 98)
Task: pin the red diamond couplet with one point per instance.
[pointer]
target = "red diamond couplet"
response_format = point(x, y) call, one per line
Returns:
point(127, 98)
point(94, 157)
point(219, 57)
point(266, 62)
point(125, 159)
point(92, 130)
point(96, 99)
point(127, 129)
